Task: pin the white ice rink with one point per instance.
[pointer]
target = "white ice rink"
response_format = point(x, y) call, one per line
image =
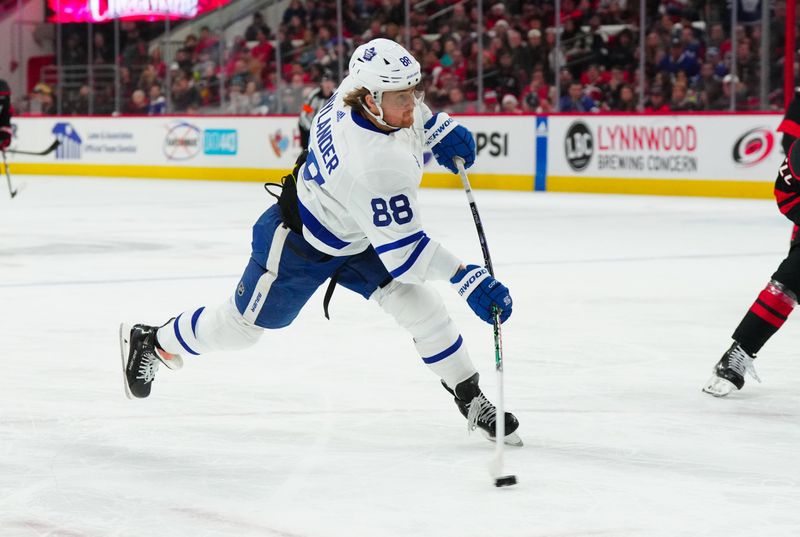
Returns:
point(336, 429)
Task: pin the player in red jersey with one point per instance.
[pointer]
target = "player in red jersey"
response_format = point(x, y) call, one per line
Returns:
point(779, 297)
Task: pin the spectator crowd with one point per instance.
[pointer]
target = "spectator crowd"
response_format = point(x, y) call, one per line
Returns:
point(688, 59)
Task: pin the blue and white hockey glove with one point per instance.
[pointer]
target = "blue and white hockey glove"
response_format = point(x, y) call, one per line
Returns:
point(482, 291)
point(447, 139)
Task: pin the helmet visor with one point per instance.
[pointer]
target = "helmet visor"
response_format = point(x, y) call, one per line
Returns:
point(402, 100)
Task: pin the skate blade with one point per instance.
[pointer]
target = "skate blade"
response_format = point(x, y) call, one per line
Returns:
point(512, 439)
point(719, 387)
point(124, 350)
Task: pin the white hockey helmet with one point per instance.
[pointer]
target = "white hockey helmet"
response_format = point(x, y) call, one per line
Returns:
point(384, 65)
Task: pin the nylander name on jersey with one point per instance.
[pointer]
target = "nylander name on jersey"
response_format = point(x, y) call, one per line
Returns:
point(325, 136)
point(359, 187)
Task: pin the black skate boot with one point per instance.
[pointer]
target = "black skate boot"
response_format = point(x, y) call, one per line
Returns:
point(729, 372)
point(480, 412)
point(140, 358)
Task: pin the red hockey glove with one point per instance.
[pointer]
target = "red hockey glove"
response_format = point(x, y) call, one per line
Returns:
point(5, 138)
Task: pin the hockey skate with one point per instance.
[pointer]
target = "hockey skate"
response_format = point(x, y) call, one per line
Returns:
point(480, 412)
point(140, 358)
point(729, 372)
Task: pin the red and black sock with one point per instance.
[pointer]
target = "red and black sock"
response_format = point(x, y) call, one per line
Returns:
point(765, 317)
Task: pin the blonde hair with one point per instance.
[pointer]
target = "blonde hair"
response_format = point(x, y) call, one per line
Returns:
point(355, 99)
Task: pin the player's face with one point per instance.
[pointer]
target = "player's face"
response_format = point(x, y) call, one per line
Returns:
point(398, 107)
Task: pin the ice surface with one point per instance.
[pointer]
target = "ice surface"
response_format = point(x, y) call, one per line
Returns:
point(335, 428)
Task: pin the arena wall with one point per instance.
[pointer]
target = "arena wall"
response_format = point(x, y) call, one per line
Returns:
point(727, 155)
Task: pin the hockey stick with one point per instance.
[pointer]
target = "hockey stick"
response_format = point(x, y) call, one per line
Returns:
point(496, 465)
point(47, 151)
point(8, 176)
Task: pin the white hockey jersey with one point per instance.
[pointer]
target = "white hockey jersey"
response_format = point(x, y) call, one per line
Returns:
point(359, 187)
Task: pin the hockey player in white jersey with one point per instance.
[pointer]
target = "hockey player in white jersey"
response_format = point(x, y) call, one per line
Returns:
point(349, 213)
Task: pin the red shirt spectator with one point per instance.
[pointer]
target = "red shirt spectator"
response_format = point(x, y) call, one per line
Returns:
point(206, 42)
point(263, 51)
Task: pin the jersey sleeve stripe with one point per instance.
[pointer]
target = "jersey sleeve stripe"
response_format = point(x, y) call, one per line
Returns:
point(781, 196)
point(319, 231)
point(445, 353)
point(411, 259)
point(786, 207)
point(405, 241)
point(789, 127)
point(787, 197)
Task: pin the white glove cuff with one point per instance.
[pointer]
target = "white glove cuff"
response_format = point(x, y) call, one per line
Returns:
point(470, 281)
point(442, 125)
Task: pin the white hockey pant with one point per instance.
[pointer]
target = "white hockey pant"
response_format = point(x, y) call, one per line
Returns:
point(417, 308)
point(203, 330)
point(420, 310)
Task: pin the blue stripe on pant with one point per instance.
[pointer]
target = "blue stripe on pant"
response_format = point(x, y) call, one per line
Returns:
point(445, 353)
point(176, 326)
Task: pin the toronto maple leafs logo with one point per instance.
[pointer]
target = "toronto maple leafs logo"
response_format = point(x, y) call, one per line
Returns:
point(369, 54)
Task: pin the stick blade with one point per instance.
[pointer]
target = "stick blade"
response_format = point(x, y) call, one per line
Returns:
point(20, 187)
point(496, 471)
point(53, 146)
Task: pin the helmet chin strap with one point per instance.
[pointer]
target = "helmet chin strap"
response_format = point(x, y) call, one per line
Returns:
point(378, 118)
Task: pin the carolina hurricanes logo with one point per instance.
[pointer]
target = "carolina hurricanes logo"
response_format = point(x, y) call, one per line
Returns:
point(753, 146)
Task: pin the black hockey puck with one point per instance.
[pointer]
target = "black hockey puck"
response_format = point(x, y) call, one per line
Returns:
point(505, 481)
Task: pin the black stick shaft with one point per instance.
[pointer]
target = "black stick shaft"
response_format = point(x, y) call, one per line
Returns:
point(11, 190)
point(496, 466)
point(47, 151)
